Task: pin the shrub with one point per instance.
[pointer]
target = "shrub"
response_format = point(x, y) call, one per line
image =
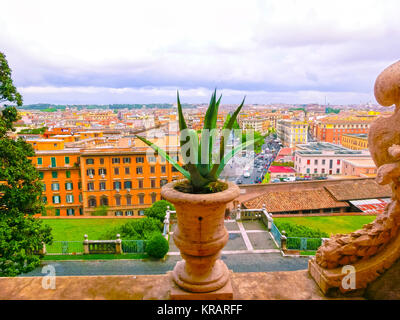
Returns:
point(157, 247)
point(296, 230)
point(100, 211)
point(136, 229)
point(158, 210)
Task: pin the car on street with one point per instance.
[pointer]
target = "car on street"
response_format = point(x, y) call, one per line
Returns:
point(238, 181)
point(246, 174)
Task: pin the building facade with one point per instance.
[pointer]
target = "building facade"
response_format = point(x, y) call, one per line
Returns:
point(355, 141)
point(319, 158)
point(292, 132)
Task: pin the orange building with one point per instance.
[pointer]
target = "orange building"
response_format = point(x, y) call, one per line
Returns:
point(125, 180)
point(331, 130)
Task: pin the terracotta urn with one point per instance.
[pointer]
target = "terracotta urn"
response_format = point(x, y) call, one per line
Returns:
point(200, 236)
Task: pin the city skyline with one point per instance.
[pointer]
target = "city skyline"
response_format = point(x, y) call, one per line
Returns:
point(89, 53)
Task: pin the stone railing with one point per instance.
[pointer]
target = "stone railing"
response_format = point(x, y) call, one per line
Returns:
point(252, 214)
point(102, 246)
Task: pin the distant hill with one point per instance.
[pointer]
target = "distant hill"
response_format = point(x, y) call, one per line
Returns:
point(53, 107)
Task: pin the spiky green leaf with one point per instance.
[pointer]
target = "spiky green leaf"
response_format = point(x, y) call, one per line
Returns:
point(163, 154)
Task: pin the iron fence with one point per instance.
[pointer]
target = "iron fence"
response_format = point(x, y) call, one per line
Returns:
point(65, 247)
point(276, 234)
point(134, 246)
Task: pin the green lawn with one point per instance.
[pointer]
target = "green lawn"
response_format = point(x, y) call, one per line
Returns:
point(331, 225)
point(74, 229)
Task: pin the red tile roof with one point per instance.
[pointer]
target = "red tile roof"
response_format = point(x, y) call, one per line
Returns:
point(284, 201)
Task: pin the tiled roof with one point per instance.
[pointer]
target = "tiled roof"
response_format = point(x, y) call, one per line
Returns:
point(283, 201)
point(366, 189)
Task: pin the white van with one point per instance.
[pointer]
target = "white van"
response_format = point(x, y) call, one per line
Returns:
point(246, 174)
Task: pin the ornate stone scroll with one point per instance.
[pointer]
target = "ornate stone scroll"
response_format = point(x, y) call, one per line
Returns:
point(374, 248)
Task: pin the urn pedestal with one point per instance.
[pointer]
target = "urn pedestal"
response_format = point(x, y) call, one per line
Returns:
point(200, 236)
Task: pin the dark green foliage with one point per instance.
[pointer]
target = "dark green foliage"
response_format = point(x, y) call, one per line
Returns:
point(296, 230)
point(158, 210)
point(283, 164)
point(332, 110)
point(33, 131)
point(100, 211)
point(20, 234)
point(258, 137)
point(135, 229)
point(157, 247)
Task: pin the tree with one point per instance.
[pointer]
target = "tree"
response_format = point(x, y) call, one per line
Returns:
point(158, 209)
point(100, 211)
point(20, 191)
point(135, 229)
point(257, 137)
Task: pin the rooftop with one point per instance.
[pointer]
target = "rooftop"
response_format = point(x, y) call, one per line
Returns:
point(281, 201)
point(321, 147)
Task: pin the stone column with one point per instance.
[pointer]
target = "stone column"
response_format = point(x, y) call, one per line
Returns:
point(283, 240)
point(118, 245)
point(86, 245)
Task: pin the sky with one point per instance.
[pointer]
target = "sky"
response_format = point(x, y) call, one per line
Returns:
point(272, 51)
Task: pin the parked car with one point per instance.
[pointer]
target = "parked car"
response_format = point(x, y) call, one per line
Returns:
point(246, 174)
point(275, 180)
point(238, 181)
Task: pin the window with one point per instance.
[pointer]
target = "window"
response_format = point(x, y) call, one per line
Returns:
point(127, 171)
point(323, 161)
point(53, 162)
point(44, 186)
point(101, 160)
point(129, 213)
point(56, 199)
point(104, 201)
point(89, 161)
point(90, 186)
point(308, 161)
point(141, 198)
point(118, 213)
point(151, 159)
point(162, 169)
point(70, 212)
point(164, 181)
point(140, 184)
point(68, 186)
point(44, 199)
point(126, 160)
point(57, 212)
point(102, 186)
point(153, 183)
point(308, 170)
point(90, 172)
point(116, 160)
point(54, 174)
point(117, 200)
point(55, 187)
point(337, 171)
point(66, 160)
point(92, 202)
point(102, 171)
point(330, 164)
point(81, 211)
point(41, 175)
point(141, 212)
point(39, 161)
point(128, 184)
point(80, 197)
point(152, 169)
point(68, 174)
point(117, 185)
point(128, 199)
point(315, 170)
point(338, 162)
point(316, 162)
point(139, 159)
point(153, 197)
point(69, 198)
point(79, 185)
point(116, 171)
point(139, 170)
point(323, 170)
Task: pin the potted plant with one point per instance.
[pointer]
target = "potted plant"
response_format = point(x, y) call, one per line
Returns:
point(200, 200)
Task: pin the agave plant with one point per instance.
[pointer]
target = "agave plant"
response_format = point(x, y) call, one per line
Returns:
point(201, 169)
